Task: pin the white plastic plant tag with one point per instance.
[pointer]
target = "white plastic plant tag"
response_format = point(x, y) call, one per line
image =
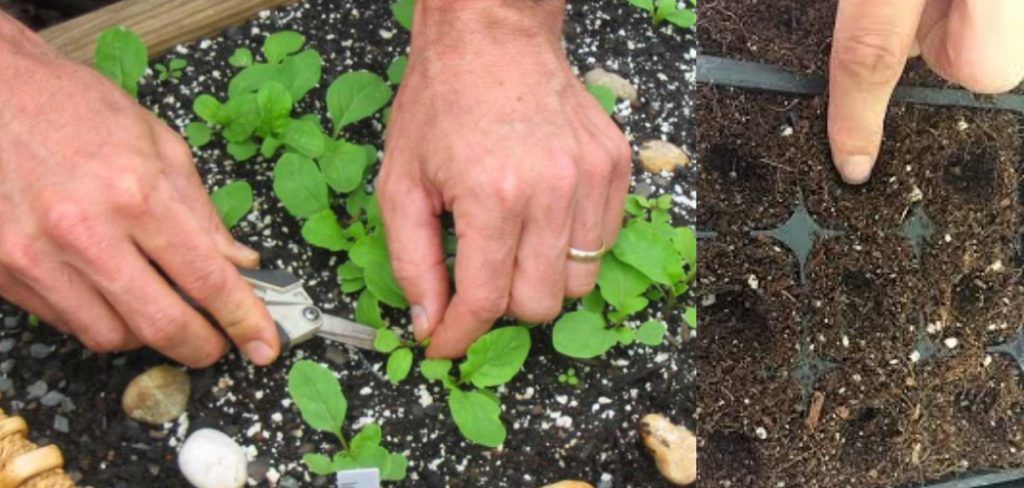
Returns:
point(359, 478)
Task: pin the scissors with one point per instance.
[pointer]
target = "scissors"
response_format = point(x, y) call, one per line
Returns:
point(297, 318)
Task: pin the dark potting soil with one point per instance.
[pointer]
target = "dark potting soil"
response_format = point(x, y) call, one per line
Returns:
point(40, 14)
point(795, 34)
point(887, 418)
point(555, 431)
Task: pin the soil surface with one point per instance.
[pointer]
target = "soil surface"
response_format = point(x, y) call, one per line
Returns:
point(555, 431)
point(818, 385)
point(40, 14)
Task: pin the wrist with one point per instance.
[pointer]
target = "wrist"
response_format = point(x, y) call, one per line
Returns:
point(491, 20)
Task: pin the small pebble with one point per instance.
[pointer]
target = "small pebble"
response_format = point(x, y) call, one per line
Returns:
point(37, 389)
point(40, 351)
point(211, 459)
point(61, 424)
point(158, 395)
point(7, 345)
point(674, 448)
point(51, 399)
point(659, 156)
point(7, 366)
point(622, 88)
point(951, 342)
point(6, 385)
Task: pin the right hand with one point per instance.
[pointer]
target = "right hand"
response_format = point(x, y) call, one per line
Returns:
point(97, 198)
point(976, 43)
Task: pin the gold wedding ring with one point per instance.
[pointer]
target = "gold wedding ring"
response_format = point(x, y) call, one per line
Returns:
point(581, 256)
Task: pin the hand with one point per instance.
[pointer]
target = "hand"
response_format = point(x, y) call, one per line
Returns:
point(492, 125)
point(97, 195)
point(976, 43)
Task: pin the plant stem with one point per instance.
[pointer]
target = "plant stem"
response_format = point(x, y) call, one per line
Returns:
point(341, 437)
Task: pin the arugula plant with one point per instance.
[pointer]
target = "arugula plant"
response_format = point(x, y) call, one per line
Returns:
point(122, 57)
point(651, 261)
point(233, 201)
point(403, 11)
point(400, 354)
point(171, 70)
point(662, 10)
point(493, 360)
point(323, 406)
point(569, 377)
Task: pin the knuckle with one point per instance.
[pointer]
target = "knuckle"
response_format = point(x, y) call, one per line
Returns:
point(108, 340)
point(161, 330)
point(207, 281)
point(538, 312)
point(68, 224)
point(508, 190)
point(870, 58)
point(130, 196)
point(488, 307)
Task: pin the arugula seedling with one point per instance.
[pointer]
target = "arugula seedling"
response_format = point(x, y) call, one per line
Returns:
point(493, 359)
point(198, 134)
point(605, 96)
point(355, 96)
point(403, 11)
point(122, 57)
point(172, 69)
point(323, 406)
point(232, 201)
point(662, 10)
point(399, 351)
point(241, 58)
point(569, 377)
point(396, 70)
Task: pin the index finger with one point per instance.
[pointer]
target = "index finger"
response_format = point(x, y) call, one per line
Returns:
point(484, 263)
point(870, 44)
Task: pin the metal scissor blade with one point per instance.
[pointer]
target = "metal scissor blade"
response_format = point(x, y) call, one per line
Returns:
point(347, 332)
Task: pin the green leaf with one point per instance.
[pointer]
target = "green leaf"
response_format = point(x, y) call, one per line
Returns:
point(318, 463)
point(241, 58)
point(318, 395)
point(198, 134)
point(626, 335)
point(323, 230)
point(651, 333)
point(269, 147)
point(208, 109)
point(435, 369)
point(122, 57)
point(399, 365)
point(635, 205)
point(691, 316)
point(605, 96)
point(647, 5)
point(396, 71)
point(275, 105)
point(619, 282)
point(496, 357)
point(232, 201)
point(594, 302)
point(682, 18)
point(367, 305)
point(477, 416)
point(242, 151)
point(355, 96)
point(300, 185)
point(305, 137)
point(641, 246)
point(177, 64)
point(371, 253)
point(349, 271)
point(241, 117)
point(583, 335)
point(403, 11)
point(280, 44)
point(344, 165)
point(394, 467)
point(386, 341)
point(302, 73)
point(369, 436)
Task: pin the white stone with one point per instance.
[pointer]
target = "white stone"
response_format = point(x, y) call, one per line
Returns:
point(753, 282)
point(950, 342)
point(211, 459)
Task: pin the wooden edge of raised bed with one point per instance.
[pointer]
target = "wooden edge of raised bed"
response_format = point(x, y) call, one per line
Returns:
point(161, 24)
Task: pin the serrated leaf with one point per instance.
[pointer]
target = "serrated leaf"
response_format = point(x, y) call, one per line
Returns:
point(318, 395)
point(399, 364)
point(583, 335)
point(355, 96)
point(323, 230)
point(496, 357)
point(477, 416)
point(121, 56)
point(651, 333)
point(232, 201)
point(300, 185)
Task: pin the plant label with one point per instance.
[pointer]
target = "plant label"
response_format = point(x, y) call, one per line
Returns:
point(359, 478)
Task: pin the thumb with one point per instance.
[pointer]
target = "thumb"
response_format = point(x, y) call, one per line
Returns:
point(413, 225)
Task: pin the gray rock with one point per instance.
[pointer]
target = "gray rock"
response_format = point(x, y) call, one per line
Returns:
point(52, 398)
point(11, 322)
point(67, 406)
point(336, 355)
point(288, 482)
point(61, 424)
point(7, 345)
point(158, 395)
point(258, 469)
point(37, 389)
point(6, 385)
point(7, 366)
point(40, 351)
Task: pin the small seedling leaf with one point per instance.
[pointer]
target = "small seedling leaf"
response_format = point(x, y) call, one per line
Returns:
point(305, 137)
point(280, 44)
point(496, 357)
point(323, 230)
point(386, 341)
point(198, 134)
point(641, 246)
point(208, 109)
point(318, 395)
point(399, 365)
point(396, 71)
point(367, 306)
point(355, 96)
point(647, 5)
point(605, 96)
point(626, 335)
point(691, 317)
point(619, 282)
point(403, 11)
point(344, 165)
point(177, 64)
point(241, 58)
point(318, 463)
point(583, 335)
point(651, 333)
point(242, 151)
point(300, 185)
point(684, 18)
point(369, 436)
point(435, 369)
point(477, 416)
point(275, 103)
point(594, 302)
point(122, 57)
point(371, 253)
point(232, 201)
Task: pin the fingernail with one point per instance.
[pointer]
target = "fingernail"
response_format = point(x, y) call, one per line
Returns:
point(855, 169)
point(420, 321)
point(247, 253)
point(258, 352)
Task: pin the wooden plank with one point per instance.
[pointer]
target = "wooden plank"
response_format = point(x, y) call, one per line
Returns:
point(161, 23)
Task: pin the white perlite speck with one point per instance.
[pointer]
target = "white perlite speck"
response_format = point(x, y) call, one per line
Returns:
point(951, 342)
point(761, 433)
point(211, 459)
point(753, 282)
